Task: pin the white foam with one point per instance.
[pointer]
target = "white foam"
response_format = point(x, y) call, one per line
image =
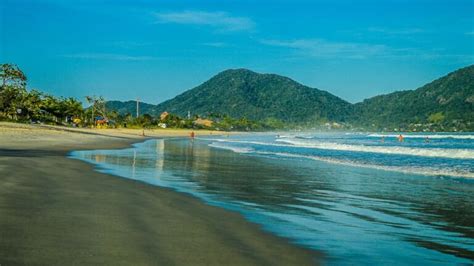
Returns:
point(401, 169)
point(425, 152)
point(234, 149)
point(432, 136)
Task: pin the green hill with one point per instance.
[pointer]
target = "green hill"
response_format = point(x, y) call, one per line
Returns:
point(130, 107)
point(244, 93)
point(444, 104)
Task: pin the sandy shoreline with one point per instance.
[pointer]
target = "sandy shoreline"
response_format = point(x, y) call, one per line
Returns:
point(55, 210)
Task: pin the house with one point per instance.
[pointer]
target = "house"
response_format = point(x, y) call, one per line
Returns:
point(203, 122)
point(164, 115)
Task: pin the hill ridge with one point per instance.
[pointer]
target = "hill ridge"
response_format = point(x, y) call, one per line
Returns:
point(239, 92)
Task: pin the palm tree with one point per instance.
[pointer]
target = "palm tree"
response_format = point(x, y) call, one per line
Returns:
point(71, 107)
point(51, 105)
point(97, 105)
point(32, 103)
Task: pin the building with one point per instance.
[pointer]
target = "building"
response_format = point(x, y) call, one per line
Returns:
point(164, 115)
point(203, 122)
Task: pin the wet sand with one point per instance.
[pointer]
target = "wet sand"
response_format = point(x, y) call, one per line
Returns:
point(59, 211)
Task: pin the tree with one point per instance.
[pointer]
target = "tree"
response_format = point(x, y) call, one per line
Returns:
point(12, 91)
point(12, 75)
point(32, 103)
point(11, 101)
point(97, 106)
point(51, 106)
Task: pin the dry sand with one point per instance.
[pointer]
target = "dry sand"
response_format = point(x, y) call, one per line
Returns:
point(59, 211)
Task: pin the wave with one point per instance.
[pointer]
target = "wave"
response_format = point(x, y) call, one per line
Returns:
point(424, 152)
point(401, 169)
point(436, 136)
point(234, 149)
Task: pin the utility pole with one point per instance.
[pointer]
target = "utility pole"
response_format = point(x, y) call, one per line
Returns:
point(138, 106)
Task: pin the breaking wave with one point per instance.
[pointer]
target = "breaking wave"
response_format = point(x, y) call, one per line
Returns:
point(421, 136)
point(424, 152)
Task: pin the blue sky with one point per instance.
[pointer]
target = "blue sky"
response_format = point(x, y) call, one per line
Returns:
point(157, 49)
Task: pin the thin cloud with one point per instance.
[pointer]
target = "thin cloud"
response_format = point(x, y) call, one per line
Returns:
point(470, 33)
point(129, 44)
point(407, 31)
point(108, 56)
point(324, 48)
point(215, 44)
point(221, 21)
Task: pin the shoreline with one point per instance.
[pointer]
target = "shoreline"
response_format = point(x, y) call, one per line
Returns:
point(55, 210)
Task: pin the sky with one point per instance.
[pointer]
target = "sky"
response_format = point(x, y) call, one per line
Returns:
point(155, 50)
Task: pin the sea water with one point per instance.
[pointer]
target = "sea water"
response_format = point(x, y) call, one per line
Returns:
point(360, 198)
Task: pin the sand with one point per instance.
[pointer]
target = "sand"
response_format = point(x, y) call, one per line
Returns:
point(59, 211)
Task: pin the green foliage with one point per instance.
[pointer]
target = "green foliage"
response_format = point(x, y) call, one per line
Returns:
point(278, 103)
point(436, 117)
point(243, 93)
point(243, 96)
point(244, 100)
point(443, 104)
point(11, 75)
point(18, 104)
point(131, 107)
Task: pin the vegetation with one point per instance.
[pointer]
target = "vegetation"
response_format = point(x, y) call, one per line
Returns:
point(18, 104)
point(446, 104)
point(243, 93)
point(130, 107)
point(244, 100)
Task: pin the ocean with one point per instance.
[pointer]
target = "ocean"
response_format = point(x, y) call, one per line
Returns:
point(360, 198)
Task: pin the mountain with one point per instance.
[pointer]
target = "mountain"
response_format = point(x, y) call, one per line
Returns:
point(130, 107)
point(244, 93)
point(444, 104)
point(447, 102)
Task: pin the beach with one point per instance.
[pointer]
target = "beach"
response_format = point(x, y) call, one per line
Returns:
point(55, 210)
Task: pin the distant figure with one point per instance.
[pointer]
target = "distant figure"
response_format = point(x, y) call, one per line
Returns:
point(400, 138)
point(427, 139)
point(143, 132)
point(383, 139)
point(192, 134)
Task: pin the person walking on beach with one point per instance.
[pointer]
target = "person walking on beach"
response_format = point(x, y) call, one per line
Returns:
point(192, 135)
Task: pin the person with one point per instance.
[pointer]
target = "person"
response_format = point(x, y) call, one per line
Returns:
point(400, 138)
point(383, 139)
point(192, 134)
point(427, 139)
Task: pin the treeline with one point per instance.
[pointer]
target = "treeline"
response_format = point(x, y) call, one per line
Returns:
point(219, 122)
point(19, 104)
